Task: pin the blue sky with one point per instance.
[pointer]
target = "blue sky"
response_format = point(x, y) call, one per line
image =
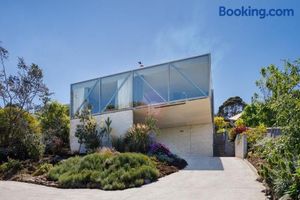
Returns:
point(75, 40)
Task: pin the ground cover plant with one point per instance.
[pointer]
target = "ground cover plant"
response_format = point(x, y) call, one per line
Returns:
point(108, 171)
point(38, 171)
point(9, 168)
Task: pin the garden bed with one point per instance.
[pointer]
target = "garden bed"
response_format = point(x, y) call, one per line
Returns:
point(104, 170)
point(256, 161)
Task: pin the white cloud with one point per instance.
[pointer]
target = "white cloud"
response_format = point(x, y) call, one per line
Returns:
point(190, 40)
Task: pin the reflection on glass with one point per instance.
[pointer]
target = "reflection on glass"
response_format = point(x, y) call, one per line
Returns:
point(189, 78)
point(150, 85)
point(85, 94)
point(93, 98)
point(174, 81)
point(116, 92)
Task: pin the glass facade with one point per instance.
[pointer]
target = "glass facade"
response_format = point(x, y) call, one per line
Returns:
point(116, 92)
point(148, 87)
point(85, 94)
point(160, 84)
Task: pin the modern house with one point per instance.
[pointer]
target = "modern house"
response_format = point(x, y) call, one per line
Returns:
point(177, 93)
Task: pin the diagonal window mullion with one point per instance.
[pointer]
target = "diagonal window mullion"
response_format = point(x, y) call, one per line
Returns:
point(116, 92)
point(151, 87)
point(188, 79)
point(85, 99)
point(148, 100)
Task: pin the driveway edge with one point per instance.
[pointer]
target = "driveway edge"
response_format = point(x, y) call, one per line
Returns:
point(251, 167)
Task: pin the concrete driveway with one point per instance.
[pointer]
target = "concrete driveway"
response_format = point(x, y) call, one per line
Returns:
point(205, 178)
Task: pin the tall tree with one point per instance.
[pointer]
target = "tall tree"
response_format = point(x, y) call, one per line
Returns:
point(231, 107)
point(280, 89)
point(26, 88)
point(280, 94)
point(258, 113)
point(55, 123)
point(20, 93)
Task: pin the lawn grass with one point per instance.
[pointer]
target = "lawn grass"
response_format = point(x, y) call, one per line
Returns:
point(108, 171)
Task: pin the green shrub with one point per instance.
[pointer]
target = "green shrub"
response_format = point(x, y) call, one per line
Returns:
point(232, 134)
point(151, 122)
point(220, 124)
point(255, 134)
point(137, 139)
point(294, 189)
point(87, 131)
point(23, 141)
point(63, 167)
point(42, 169)
point(106, 170)
point(11, 164)
point(55, 124)
point(280, 169)
point(278, 106)
point(34, 146)
point(118, 143)
point(10, 168)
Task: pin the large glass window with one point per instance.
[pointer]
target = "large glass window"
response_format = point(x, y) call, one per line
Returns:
point(151, 85)
point(174, 81)
point(189, 78)
point(86, 94)
point(116, 92)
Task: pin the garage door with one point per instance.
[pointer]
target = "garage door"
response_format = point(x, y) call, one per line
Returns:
point(195, 140)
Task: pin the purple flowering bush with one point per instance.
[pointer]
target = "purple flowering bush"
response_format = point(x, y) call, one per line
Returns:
point(163, 154)
point(158, 148)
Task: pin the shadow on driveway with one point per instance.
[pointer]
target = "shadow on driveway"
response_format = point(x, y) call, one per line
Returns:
point(203, 163)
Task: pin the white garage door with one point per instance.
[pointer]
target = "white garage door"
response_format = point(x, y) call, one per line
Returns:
point(187, 140)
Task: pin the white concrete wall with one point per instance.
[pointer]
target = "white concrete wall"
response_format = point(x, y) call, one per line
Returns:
point(183, 140)
point(121, 122)
point(188, 140)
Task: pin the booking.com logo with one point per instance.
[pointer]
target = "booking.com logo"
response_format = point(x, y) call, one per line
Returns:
point(254, 12)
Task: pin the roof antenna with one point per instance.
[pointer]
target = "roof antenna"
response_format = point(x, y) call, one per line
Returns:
point(141, 64)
